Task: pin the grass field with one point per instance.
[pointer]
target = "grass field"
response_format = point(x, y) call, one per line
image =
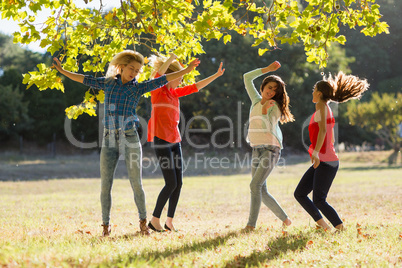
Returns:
point(56, 222)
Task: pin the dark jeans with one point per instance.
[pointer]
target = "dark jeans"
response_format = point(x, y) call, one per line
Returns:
point(319, 181)
point(170, 161)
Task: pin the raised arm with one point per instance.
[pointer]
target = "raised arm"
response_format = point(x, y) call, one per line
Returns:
point(203, 83)
point(162, 70)
point(253, 93)
point(190, 67)
point(271, 68)
point(73, 76)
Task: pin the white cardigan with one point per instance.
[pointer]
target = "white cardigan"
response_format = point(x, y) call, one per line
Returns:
point(270, 120)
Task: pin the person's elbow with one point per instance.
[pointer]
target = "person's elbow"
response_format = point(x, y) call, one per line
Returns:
point(246, 77)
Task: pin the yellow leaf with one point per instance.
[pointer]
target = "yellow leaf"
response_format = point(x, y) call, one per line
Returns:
point(101, 96)
point(109, 16)
point(227, 38)
point(262, 51)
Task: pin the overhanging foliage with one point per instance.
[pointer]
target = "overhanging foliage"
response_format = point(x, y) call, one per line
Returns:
point(163, 26)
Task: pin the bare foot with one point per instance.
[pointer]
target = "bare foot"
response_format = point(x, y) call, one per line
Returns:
point(169, 224)
point(322, 224)
point(156, 223)
point(340, 227)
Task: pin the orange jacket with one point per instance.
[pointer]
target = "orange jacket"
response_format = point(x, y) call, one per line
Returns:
point(165, 115)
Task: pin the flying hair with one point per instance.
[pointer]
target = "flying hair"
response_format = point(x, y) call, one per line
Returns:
point(342, 87)
point(157, 61)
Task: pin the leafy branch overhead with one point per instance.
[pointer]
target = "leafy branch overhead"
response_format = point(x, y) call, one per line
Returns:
point(92, 36)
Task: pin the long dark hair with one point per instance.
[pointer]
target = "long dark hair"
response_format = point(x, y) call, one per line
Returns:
point(281, 97)
point(342, 87)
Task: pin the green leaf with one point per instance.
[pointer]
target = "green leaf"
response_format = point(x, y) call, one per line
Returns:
point(341, 39)
point(90, 37)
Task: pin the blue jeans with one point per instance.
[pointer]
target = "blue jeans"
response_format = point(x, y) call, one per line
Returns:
point(114, 144)
point(263, 161)
point(170, 161)
point(318, 180)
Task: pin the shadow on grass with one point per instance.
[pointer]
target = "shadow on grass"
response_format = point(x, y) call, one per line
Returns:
point(274, 249)
point(153, 256)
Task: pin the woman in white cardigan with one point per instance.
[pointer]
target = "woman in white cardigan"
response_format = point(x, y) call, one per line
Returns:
point(269, 107)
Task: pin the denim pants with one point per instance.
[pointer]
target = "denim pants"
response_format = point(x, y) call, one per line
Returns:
point(114, 144)
point(319, 181)
point(263, 161)
point(170, 161)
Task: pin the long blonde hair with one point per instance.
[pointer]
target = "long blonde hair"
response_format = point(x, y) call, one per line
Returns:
point(121, 59)
point(157, 61)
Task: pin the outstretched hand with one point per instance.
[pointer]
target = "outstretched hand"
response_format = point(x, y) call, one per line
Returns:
point(274, 66)
point(73, 76)
point(57, 64)
point(220, 70)
point(172, 56)
point(193, 64)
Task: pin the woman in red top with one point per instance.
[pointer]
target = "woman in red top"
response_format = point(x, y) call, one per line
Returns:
point(321, 174)
point(163, 130)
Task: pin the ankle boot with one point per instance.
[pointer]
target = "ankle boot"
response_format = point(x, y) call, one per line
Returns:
point(144, 230)
point(106, 230)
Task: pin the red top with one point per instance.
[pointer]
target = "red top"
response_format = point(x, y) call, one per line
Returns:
point(327, 152)
point(165, 115)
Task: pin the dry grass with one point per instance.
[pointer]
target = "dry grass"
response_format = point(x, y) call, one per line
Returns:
point(57, 223)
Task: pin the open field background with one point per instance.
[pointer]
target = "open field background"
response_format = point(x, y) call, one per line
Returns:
point(46, 221)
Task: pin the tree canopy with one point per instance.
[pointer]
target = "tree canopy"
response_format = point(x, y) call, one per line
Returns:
point(90, 37)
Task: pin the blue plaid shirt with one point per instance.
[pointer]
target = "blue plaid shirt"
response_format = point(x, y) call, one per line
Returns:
point(121, 100)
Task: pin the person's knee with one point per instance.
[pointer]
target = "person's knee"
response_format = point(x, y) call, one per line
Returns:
point(297, 195)
point(320, 203)
point(255, 187)
point(171, 187)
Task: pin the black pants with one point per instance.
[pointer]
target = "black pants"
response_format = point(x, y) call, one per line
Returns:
point(170, 161)
point(319, 181)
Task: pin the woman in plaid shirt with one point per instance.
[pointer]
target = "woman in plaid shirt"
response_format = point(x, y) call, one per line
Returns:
point(122, 93)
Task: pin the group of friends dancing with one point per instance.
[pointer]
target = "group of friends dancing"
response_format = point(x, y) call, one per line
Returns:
point(269, 106)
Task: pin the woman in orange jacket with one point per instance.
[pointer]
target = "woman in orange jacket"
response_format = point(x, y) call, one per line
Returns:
point(163, 130)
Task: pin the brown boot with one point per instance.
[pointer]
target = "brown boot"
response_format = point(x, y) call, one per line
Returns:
point(248, 229)
point(144, 230)
point(106, 230)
